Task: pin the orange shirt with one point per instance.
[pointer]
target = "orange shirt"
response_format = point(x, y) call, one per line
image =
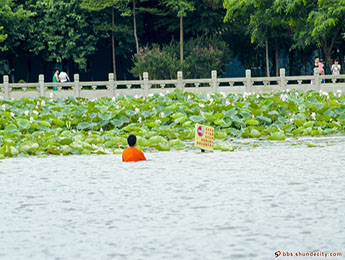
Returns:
point(133, 154)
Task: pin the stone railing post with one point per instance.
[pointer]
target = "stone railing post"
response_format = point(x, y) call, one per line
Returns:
point(214, 81)
point(41, 82)
point(6, 87)
point(146, 83)
point(248, 80)
point(76, 85)
point(317, 86)
point(180, 80)
point(282, 79)
point(111, 83)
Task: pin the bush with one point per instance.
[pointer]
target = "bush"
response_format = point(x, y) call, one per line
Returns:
point(202, 55)
point(159, 63)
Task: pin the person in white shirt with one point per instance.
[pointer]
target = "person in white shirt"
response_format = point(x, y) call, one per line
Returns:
point(63, 77)
point(336, 68)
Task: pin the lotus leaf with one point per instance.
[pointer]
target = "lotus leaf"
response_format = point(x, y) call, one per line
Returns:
point(252, 122)
point(277, 136)
point(23, 124)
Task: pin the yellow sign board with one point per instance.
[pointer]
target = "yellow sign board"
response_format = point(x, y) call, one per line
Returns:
point(204, 137)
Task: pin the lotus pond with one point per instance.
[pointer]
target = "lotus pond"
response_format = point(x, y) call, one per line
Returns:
point(162, 121)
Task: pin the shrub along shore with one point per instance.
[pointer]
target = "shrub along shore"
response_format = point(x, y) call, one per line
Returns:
point(162, 122)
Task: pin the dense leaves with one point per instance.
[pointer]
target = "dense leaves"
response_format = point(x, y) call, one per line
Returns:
point(162, 122)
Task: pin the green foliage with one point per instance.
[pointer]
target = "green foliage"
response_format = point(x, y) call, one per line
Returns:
point(159, 63)
point(181, 7)
point(314, 22)
point(202, 56)
point(2, 36)
point(64, 31)
point(15, 24)
point(162, 122)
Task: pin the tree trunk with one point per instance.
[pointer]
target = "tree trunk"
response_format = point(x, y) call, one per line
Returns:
point(113, 41)
point(290, 63)
point(277, 62)
point(28, 71)
point(181, 39)
point(267, 60)
point(135, 29)
point(341, 59)
point(328, 53)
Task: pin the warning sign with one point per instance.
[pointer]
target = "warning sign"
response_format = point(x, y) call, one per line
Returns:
point(204, 137)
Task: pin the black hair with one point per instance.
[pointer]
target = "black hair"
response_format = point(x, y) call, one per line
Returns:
point(132, 140)
point(336, 60)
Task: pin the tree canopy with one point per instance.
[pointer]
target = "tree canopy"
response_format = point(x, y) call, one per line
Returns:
point(96, 37)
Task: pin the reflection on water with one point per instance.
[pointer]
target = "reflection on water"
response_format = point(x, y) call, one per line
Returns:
point(178, 205)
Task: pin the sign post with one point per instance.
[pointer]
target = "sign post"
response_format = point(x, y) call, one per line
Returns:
point(204, 137)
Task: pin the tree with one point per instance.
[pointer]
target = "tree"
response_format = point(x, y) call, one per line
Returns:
point(14, 21)
point(265, 24)
point(317, 22)
point(119, 5)
point(62, 31)
point(180, 7)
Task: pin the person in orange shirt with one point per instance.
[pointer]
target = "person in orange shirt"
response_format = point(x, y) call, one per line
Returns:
point(132, 154)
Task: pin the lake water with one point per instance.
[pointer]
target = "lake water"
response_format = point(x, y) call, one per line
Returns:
point(245, 204)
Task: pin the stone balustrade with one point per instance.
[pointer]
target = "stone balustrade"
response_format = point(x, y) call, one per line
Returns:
point(146, 86)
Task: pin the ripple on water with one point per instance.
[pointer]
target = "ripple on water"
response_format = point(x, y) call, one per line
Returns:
point(240, 205)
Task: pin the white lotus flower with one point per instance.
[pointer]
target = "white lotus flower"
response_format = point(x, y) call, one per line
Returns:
point(31, 119)
point(227, 102)
point(139, 119)
point(137, 110)
point(201, 105)
point(162, 114)
point(43, 103)
point(313, 116)
point(12, 114)
point(3, 107)
point(35, 112)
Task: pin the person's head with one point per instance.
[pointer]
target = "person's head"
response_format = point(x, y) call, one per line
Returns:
point(317, 60)
point(336, 61)
point(321, 60)
point(57, 71)
point(132, 140)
